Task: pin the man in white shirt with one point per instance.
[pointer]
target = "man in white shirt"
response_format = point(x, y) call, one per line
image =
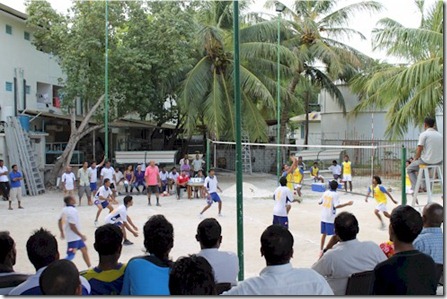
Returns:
point(75, 238)
point(225, 264)
point(102, 199)
point(349, 256)
point(279, 277)
point(172, 178)
point(429, 150)
point(197, 164)
point(68, 181)
point(119, 217)
point(336, 170)
point(93, 173)
point(108, 172)
point(211, 187)
point(282, 197)
point(119, 180)
point(4, 181)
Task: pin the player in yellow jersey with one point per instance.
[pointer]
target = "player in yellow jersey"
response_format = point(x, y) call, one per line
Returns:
point(408, 189)
point(347, 173)
point(379, 193)
point(314, 173)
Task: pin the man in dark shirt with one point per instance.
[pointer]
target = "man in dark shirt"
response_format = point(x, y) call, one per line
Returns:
point(408, 272)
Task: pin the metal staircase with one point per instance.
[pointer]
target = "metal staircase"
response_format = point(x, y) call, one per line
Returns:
point(20, 152)
point(246, 153)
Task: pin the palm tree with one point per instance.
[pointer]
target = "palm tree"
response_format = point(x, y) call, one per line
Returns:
point(317, 28)
point(409, 91)
point(207, 96)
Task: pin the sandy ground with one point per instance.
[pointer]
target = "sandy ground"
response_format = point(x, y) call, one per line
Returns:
point(304, 218)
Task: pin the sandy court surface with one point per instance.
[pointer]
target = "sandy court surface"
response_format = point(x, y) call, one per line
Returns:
point(304, 218)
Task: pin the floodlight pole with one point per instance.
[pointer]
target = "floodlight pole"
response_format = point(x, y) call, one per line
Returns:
point(106, 87)
point(237, 100)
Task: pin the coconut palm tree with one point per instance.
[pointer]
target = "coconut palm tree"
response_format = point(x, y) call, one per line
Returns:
point(207, 96)
point(317, 29)
point(409, 91)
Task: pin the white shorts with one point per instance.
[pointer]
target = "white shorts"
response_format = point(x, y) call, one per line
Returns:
point(347, 178)
point(297, 186)
point(408, 190)
point(317, 177)
point(15, 193)
point(381, 207)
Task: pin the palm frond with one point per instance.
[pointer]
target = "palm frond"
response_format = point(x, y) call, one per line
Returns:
point(341, 16)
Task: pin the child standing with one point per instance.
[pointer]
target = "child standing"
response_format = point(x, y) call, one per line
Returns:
point(68, 181)
point(330, 203)
point(75, 239)
point(347, 173)
point(211, 187)
point(379, 193)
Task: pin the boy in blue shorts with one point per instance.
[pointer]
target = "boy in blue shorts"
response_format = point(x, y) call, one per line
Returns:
point(211, 187)
point(330, 203)
point(103, 198)
point(282, 197)
point(75, 239)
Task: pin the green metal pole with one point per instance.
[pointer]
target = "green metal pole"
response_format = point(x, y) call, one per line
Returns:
point(106, 87)
point(237, 99)
point(404, 172)
point(208, 155)
point(278, 108)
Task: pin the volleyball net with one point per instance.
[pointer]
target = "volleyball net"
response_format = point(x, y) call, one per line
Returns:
point(367, 160)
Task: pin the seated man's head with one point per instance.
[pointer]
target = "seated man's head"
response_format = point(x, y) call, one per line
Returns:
point(346, 226)
point(192, 275)
point(209, 233)
point(433, 215)
point(61, 277)
point(7, 251)
point(405, 224)
point(276, 245)
point(42, 248)
point(108, 242)
point(158, 236)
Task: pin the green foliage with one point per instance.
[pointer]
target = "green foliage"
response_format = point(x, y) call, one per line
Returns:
point(412, 91)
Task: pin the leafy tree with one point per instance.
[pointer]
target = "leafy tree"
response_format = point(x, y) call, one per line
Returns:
point(409, 91)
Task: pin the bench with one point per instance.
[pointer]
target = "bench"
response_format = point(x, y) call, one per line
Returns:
point(319, 155)
point(134, 157)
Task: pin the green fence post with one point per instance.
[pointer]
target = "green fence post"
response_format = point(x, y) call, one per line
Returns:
point(404, 172)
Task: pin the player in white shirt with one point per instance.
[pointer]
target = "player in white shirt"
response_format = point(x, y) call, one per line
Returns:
point(330, 203)
point(68, 181)
point(119, 217)
point(211, 187)
point(93, 174)
point(75, 238)
point(4, 181)
point(282, 197)
point(108, 172)
point(103, 198)
point(172, 178)
point(336, 170)
point(119, 180)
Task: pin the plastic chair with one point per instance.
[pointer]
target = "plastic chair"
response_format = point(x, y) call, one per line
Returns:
point(361, 283)
point(424, 174)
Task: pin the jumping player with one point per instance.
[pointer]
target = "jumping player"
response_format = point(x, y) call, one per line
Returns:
point(379, 193)
point(75, 239)
point(297, 176)
point(330, 203)
point(211, 187)
point(347, 173)
point(120, 218)
point(282, 197)
point(103, 198)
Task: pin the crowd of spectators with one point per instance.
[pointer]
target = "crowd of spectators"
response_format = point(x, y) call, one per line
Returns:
point(414, 269)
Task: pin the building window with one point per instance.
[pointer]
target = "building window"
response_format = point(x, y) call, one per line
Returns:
point(8, 86)
point(27, 89)
point(8, 29)
point(26, 35)
point(303, 127)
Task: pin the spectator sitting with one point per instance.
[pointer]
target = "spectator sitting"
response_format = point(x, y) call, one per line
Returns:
point(225, 264)
point(8, 278)
point(42, 251)
point(139, 179)
point(408, 271)
point(349, 256)
point(61, 277)
point(279, 278)
point(172, 179)
point(107, 277)
point(149, 275)
point(182, 182)
point(192, 275)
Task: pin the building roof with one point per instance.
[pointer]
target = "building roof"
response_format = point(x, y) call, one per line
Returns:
point(313, 117)
point(11, 11)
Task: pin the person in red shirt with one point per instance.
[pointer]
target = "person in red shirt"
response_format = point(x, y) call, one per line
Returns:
point(152, 177)
point(182, 182)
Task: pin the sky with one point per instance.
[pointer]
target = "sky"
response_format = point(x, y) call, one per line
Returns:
point(403, 11)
